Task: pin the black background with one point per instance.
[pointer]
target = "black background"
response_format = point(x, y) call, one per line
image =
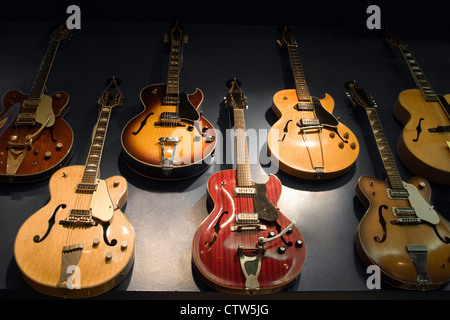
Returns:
point(226, 39)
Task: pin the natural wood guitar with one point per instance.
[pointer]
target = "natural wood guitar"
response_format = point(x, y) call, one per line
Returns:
point(401, 232)
point(307, 141)
point(79, 244)
point(424, 146)
point(35, 140)
point(246, 245)
point(169, 139)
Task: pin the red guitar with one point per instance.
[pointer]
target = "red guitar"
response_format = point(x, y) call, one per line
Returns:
point(246, 245)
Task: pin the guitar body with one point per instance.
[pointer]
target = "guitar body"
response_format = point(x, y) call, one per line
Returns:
point(339, 149)
point(50, 149)
point(141, 137)
point(385, 244)
point(425, 153)
point(215, 245)
point(100, 255)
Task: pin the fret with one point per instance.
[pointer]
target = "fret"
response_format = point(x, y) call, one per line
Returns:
point(93, 160)
point(299, 77)
point(390, 166)
point(172, 87)
point(41, 79)
point(243, 171)
point(418, 75)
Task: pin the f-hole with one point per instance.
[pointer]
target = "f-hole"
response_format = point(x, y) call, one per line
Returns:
point(51, 222)
point(382, 223)
point(105, 238)
point(278, 228)
point(216, 230)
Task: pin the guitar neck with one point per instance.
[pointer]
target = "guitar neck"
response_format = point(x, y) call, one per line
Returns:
point(44, 70)
point(244, 178)
point(173, 86)
point(299, 77)
point(389, 164)
point(418, 75)
point(91, 170)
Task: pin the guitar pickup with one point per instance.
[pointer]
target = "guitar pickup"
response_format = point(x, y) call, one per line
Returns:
point(240, 191)
point(306, 124)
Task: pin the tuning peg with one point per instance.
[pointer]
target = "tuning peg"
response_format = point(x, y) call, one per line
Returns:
point(166, 38)
point(185, 39)
point(279, 43)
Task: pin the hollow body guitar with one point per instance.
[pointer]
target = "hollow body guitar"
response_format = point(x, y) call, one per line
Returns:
point(424, 146)
point(246, 245)
point(169, 139)
point(79, 244)
point(401, 232)
point(307, 141)
point(35, 140)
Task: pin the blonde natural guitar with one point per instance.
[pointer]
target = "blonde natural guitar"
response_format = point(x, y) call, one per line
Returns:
point(79, 244)
point(307, 141)
point(424, 146)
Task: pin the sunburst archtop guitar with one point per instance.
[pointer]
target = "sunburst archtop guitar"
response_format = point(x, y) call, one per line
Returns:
point(246, 245)
point(401, 232)
point(170, 139)
point(424, 146)
point(307, 141)
point(80, 244)
point(35, 140)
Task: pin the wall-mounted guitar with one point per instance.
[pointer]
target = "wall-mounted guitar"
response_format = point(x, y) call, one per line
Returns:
point(307, 140)
point(424, 146)
point(246, 245)
point(169, 139)
point(80, 244)
point(35, 140)
point(400, 232)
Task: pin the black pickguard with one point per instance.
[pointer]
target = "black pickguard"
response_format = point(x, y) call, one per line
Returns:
point(265, 209)
point(326, 118)
point(186, 110)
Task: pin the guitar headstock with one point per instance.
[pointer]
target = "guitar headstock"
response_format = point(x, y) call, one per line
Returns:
point(176, 33)
point(235, 98)
point(287, 39)
point(112, 96)
point(391, 40)
point(62, 33)
point(359, 96)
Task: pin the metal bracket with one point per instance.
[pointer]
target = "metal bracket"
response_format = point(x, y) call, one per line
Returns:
point(251, 266)
point(418, 254)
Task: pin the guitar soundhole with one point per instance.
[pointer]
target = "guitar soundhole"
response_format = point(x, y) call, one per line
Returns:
point(51, 222)
point(382, 223)
point(105, 238)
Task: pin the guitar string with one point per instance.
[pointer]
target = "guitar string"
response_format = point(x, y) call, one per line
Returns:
point(437, 113)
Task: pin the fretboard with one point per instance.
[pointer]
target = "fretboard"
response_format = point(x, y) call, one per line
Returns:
point(92, 166)
point(389, 164)
point(173, 86)
point(244, 177)
point(299, 77)
point(418, 75)
point(41, 79)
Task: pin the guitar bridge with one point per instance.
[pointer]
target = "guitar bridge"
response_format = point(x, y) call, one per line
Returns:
point(167, 163)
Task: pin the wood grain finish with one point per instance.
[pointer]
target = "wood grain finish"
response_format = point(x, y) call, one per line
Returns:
point(141, 145)
point(429, 155)
point(392, 255)
point(291, 152)
point(57, 139)
point(218, 264)
point(40, 262)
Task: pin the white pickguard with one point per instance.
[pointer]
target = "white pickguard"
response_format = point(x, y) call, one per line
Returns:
point(102, 206)
point(45, 109)
point(423, 209)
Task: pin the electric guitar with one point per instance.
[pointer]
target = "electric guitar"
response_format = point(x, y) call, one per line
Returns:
point(401, 232)
point(246, 245)
point(80, 244)
point(169, 139)
point(307, 141)
point(424, 146)
point(35, 140)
